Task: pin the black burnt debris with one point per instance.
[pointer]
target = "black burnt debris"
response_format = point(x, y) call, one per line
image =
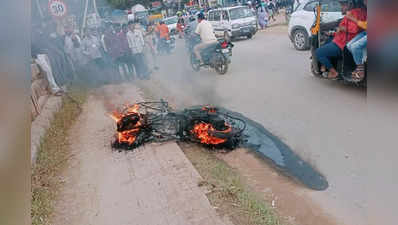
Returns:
point(146, 122)
point(212, 127)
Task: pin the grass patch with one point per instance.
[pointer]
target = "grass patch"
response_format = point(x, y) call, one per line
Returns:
point(52, 157)
point(227, 191)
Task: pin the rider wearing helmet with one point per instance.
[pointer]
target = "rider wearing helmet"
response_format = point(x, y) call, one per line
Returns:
point(206, 32)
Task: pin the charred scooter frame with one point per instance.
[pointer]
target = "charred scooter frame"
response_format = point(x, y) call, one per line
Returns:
point(344, 65)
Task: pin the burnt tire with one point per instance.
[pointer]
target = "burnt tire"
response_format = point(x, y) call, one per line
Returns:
point(301, 40)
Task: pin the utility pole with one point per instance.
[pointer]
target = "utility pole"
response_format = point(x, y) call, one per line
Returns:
point(86, 11)
point(85, 16)
point(39, 9)
point(95, 7)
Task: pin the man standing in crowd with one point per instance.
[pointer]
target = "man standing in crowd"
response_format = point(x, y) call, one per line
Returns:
point(150, 40)
point(125, 59)
point(91, 48)
point(73, 48)
point(136, 43)
point(112, 47)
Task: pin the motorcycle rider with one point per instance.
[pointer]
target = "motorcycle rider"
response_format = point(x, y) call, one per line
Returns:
point(180, 27)
point(192, 25)
point(206, 32)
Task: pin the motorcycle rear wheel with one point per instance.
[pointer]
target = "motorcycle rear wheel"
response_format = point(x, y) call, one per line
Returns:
point(195, 64)
point(221, 65)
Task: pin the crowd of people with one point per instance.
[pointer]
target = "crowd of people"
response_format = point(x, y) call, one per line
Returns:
point(105, 54)
point(115, 52)
point(267, 10)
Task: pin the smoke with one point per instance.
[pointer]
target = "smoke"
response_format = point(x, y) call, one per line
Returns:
point(14, 115)
point(186, 86)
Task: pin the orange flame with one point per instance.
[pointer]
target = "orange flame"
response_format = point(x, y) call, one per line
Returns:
point(201, 131)
point(127, 136)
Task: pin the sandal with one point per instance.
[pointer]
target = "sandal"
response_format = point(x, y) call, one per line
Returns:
point(358, 74)
point(332, 77)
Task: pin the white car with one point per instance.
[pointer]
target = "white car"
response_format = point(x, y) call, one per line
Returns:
point(171, 23)
point(236, 21)
point(303, 17)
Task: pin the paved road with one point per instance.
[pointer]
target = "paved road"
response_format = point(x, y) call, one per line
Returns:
point(270, 82)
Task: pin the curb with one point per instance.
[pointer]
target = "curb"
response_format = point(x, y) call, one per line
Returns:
point(42, 123)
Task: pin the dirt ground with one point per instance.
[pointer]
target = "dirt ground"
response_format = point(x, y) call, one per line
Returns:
point(280, 191)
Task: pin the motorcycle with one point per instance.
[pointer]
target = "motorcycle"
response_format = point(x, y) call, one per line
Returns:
point(166, 46)
point(217, 56)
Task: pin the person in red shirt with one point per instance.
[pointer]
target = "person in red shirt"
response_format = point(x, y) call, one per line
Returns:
point(345, 32)
point(163, 31)
point(180, 29)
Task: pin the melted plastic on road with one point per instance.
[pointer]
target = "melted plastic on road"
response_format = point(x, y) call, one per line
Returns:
point(269, 146)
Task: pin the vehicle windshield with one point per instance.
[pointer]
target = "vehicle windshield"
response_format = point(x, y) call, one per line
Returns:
point(170, 20)
point(239, 13)
point(141, 14)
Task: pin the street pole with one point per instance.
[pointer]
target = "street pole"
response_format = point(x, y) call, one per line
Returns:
point(95, 7)
point(39, 8)
point(84, 16)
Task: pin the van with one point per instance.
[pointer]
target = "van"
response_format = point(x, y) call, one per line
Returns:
point(236, 21)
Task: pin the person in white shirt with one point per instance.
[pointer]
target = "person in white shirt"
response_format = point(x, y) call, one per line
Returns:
point(136, 44)
point(206, 32)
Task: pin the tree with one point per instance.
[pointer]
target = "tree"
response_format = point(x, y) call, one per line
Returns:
point(125, 4)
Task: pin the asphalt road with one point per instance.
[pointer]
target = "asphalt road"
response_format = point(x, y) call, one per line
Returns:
point(322, 121)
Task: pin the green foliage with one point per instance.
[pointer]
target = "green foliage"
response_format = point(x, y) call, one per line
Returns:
point(125, 4)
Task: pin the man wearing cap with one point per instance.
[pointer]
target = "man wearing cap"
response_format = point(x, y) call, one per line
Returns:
point(206, 32)
point(345, 32)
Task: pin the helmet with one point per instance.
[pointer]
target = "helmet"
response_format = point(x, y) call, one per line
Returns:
point(201, 16)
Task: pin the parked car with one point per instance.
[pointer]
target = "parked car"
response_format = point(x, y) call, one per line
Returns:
point(236, 21)
point(171, 23)
point(303, 17)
